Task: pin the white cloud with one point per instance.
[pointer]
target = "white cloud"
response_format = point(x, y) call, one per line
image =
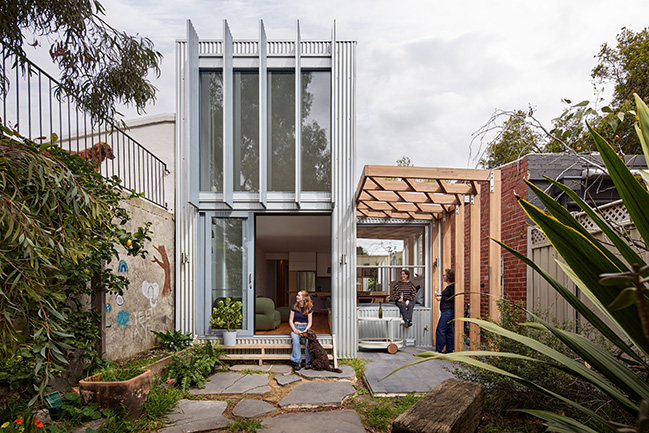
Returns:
point(429, 72)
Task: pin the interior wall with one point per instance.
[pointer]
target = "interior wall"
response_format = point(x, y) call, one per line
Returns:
point(271, 281)
point(262, 286)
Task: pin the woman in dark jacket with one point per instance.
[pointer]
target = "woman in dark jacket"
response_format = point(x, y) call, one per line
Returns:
point(445, 335)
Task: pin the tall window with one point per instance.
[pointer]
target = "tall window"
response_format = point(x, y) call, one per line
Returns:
point(281, 131)
point(211, 134)
point(229, 260)
point(316, 131)
point(246, 131)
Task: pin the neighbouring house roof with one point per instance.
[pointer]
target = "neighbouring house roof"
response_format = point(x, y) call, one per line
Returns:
point(422, 193)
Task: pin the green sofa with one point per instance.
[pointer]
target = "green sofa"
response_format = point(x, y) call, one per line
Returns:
point(266, 316)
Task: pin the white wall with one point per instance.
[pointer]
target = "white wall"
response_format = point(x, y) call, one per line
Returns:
point(157, 135)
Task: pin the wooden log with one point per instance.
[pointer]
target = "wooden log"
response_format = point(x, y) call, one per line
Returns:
point(454, 406)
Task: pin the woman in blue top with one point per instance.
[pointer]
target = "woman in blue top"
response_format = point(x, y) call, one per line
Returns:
point(300, 320)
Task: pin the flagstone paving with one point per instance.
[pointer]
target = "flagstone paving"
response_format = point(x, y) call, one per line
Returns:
point(304, 389)
point(197, 415)
point(316, 394)
point(234, 383)
point(249, 408)
point(337, 421)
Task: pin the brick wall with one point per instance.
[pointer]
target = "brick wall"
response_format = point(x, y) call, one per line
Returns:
point(513, 234)
point(514, 228)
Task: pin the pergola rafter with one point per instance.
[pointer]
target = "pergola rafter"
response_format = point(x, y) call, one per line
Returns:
point(425, 193)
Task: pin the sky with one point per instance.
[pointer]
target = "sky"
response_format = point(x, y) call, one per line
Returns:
point(429, 73)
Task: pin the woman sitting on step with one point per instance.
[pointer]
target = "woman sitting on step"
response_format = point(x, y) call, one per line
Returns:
point(300, 319)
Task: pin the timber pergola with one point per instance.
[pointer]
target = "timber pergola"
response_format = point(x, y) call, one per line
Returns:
point(440, 195)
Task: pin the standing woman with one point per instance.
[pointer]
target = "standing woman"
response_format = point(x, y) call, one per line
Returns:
point(403, 295)
point(300, 320)
point(445, 335)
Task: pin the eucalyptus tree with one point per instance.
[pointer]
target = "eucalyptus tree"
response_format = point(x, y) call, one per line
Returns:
point(100, 66)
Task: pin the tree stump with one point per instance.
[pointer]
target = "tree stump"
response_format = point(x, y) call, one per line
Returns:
point(454, 406)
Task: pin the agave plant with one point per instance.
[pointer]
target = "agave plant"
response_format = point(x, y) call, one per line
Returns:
point(613, 278)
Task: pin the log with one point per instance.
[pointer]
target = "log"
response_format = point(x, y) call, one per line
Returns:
point(454, 406)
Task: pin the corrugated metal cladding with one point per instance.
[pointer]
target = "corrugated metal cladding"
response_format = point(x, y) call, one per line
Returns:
point(186, 214)
point(420, 331)
point(343, 218)
point(343, 134)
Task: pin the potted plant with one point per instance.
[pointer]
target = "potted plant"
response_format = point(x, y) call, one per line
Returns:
point(124, 389)
point(227, 315)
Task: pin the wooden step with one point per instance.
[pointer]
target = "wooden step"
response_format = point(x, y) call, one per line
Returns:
point(259, 352)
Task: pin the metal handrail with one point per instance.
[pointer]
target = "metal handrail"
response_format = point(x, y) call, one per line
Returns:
point(32, 106)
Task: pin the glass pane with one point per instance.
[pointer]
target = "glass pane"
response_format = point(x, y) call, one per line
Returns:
point(316, 131)
point(211, 131)
point(229, 260)
point(246, 131)
point(281, 131)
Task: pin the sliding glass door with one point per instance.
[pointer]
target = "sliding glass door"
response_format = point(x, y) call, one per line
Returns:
point(229, 268)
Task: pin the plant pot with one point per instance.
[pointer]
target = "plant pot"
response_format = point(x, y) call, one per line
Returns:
point(127, 396)
point(229, 338)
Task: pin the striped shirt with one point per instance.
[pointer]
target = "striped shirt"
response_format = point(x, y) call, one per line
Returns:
point(405, 289)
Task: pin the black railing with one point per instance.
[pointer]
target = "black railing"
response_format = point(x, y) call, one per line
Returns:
point(32, 107)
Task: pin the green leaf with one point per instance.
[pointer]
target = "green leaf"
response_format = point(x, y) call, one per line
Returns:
point(588, 262)
point(625, 299)
point(608, 366)
point(559, 423)
point(635, 198)
point(606, 314)
point(645, 176)
point(642, 128)
point(568, 364)
point(629, 254)
point(577, 304)
point(458, 356)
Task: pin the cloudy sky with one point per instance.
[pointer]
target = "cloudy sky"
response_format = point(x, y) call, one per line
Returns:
point(429, 72)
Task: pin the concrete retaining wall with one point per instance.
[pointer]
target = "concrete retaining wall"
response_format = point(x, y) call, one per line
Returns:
point(148, 303)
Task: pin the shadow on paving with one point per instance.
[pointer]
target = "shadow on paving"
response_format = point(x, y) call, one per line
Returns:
point(419, 378)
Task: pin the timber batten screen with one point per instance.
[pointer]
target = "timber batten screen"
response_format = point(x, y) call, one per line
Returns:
point(441, 195)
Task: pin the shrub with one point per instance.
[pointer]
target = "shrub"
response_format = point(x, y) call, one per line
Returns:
point(174, 341)
point(613, 278)
point(193, 366)
point(60, 225)
point(504, 393)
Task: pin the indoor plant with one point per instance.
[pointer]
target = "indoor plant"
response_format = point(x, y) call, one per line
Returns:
point(227, 315)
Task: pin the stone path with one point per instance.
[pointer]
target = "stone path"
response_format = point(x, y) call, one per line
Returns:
point(197, 415)
point(307, 390)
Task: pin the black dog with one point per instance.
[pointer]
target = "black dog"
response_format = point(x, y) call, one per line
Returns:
point(319, 359)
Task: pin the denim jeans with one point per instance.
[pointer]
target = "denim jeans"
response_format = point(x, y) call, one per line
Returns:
point(445, 335)
point(296, 354)
point(406, 310)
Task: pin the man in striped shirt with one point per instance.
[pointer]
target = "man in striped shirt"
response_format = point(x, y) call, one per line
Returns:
point(403, 295)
